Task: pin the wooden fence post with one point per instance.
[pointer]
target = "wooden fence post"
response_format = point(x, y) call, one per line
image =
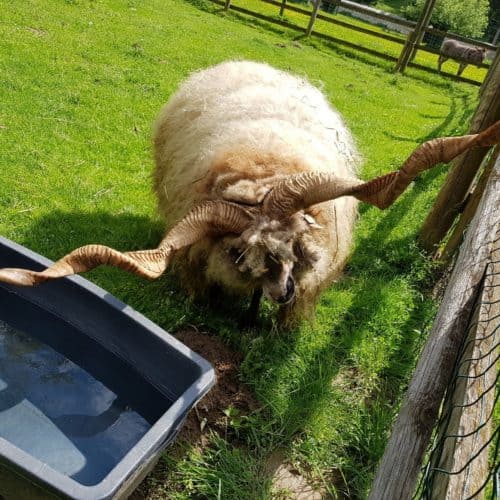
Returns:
point(420, 37)
point(468, 427)
point(401, 65)
point(470, 209)
point(450, 199)
point(282, 8)
point(314, 13)
point(492, 71)
point(227, 5)
point(400, 465)
point(414, 36)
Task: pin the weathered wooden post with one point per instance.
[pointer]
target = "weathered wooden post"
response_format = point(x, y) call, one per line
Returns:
point(406, 47)
point(415, 36)
point(456, 236)
point(420, 37)
point(282, 8)
point(227, 5)
point(496, 37)
point(457, 184)
point(491, 72)
point(461, 467)
point(312, 19)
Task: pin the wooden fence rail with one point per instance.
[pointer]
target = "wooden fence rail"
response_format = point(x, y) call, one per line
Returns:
point(331, 20)
point(405, 22)
point(378, 14)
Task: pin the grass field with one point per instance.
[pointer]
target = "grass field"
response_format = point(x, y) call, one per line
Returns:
point(81, 84)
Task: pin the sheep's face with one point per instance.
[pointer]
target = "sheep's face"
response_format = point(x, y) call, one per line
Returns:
point(270, 253)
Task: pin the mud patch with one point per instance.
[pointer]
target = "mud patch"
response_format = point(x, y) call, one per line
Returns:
point(214, 411)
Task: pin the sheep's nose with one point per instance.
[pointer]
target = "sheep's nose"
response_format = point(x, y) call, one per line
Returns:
point(290, 291)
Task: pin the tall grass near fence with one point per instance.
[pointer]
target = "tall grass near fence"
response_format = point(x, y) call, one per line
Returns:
point(81, 84)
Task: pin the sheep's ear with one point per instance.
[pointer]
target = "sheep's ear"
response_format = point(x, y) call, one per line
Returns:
point(245, 191)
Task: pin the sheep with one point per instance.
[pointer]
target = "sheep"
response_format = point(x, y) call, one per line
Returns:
point(256, 180)
point(464, 54)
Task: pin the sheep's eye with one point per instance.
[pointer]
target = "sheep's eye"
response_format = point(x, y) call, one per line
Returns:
point(236, 254)
point(273, 266)
point(272, 258)
point(298, 250)
point(272, 263)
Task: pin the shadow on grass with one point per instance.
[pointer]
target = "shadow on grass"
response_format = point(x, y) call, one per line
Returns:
point(213, 8)
point(277, 350)
point(379, 261)
point(466, 111)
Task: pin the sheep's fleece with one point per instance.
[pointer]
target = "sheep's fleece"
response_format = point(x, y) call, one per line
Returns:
point(228, 133)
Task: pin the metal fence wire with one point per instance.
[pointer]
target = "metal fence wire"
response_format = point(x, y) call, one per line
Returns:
point(463, 461)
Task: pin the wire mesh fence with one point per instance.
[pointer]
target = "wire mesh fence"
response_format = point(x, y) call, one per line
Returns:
point(463, 462)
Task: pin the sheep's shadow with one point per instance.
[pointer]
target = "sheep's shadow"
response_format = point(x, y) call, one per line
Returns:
point(370, 273)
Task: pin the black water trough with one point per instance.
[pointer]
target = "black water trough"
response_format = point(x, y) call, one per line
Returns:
point(91, 391)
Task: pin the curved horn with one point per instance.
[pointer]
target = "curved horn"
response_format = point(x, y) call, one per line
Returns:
point(208, 218)
point(303, 190)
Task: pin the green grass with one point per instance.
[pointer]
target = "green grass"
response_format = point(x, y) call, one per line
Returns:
point(81, 84)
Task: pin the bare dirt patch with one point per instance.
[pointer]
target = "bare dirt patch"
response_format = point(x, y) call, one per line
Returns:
point(36, 31)
point(228, 392)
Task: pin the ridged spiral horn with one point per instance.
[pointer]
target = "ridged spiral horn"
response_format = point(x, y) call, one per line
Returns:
point(300, 191)
point(208, 218)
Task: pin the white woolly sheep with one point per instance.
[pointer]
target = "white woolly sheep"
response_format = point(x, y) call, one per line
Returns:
point(464, 54)
point(256, 179)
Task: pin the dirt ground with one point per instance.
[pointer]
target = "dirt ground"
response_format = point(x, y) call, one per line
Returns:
point(228, 391)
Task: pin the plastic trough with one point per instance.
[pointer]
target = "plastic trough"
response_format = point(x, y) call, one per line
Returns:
point(91, 392)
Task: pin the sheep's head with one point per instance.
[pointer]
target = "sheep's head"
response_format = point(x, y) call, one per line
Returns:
point(267, 253)
point(264, 236)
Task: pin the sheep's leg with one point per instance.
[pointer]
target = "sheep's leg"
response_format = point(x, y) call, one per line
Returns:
point(250, 317)
point(441, 60)
point(461, 68)
point(215, 296)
